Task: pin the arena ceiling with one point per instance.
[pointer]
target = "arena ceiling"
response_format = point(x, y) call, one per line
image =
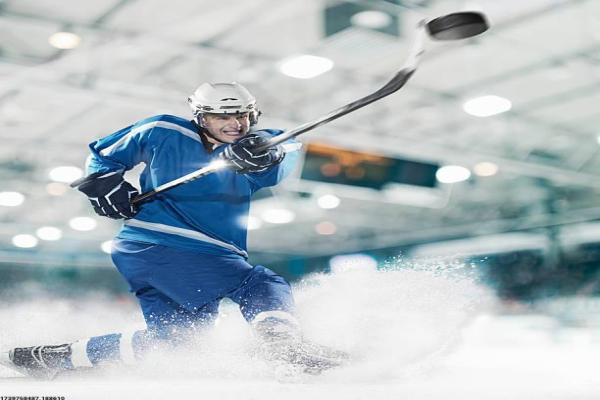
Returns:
point(139, 58)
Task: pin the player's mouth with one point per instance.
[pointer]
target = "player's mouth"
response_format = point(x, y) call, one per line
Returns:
point(233, 132)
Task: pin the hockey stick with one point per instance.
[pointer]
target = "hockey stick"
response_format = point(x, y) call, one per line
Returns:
point(449, 27)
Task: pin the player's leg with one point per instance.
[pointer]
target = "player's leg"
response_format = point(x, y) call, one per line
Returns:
point(168, 324)
point(264, 294)
point(266, 301)
point(166, 320)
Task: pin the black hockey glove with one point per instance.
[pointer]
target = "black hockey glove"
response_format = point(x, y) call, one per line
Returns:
point(245, 157)
point(109, 194)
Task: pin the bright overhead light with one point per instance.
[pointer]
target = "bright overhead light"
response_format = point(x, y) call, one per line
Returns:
point(305, 66)
point(485, 106)
point(371, 19)
point(65, 174)
point(106, 246)
point(485, 169)
point(325, 228)
point(452, 174)
point(24, 241)
point(56, 188)
point(328, 201)
point(64, 40)
point(352, 262)
point(49, 233)
point(83, 223)
point(11, 199)
point(278, 216)
point(598, 139)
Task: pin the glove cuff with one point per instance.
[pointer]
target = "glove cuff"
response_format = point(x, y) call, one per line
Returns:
point(98, 184)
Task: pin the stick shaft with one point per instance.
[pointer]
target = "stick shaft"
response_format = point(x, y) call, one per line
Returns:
point(395, 84)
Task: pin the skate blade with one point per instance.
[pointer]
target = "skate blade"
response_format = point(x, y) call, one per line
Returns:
point(24, 373)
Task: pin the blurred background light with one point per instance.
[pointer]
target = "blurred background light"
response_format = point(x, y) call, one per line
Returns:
point(64, 40)
point(452, 174)
point(326, 228)
point(83, 223)
point(485, 169)
point(49, 233)
point(278, 216)
point(371, 19)
point(25, 241)
point(328, 201)
point(251, 222)
point(11, 199)
point(486, 106)
point(106, 246)
point(65, 174)
point(305, 66)
point(56, 188)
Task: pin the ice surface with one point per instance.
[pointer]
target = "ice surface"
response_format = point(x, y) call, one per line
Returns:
point(415, 332)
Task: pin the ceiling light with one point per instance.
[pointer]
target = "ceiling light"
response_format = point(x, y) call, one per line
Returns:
point(278, 216)
point(486, 106)
point(24, 241)
point(371, 19)
point(305, 66)
point(56, 188)
point(352, 262)
point(11, 199)
point(328, 201)
point(452, 174)
point(485, 169)
point(64, 40)
point(82, 223)
point(66, 174)
point(49, 233)
point(106, 246)
point(325, 228)
point(598, 139)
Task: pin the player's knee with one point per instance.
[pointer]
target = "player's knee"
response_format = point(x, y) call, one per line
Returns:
point(261, 274)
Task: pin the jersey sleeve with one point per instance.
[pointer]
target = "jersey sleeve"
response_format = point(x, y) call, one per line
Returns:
point(121, 150)
point(277, 173)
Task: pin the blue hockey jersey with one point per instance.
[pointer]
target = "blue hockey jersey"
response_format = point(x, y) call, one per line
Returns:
point(207, 214)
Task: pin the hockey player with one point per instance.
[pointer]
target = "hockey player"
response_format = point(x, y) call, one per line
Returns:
point(185, 250)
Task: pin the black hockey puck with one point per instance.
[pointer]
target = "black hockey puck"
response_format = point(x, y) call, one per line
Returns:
point(460, 25)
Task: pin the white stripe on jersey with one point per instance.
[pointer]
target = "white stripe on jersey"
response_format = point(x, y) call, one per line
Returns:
point(150, 125)
point(183, 232)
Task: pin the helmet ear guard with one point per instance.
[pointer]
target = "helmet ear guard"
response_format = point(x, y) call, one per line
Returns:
point(254, 117)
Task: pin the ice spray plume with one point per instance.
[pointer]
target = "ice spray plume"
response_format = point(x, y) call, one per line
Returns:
point(393, 321)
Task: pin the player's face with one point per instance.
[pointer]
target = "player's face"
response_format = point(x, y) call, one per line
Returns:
point(227, 128)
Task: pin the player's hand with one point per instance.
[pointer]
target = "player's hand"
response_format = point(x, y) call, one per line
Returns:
point(245, 156)
point(109, 194)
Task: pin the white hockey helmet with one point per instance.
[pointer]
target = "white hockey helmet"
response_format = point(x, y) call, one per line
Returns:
point(223, 98)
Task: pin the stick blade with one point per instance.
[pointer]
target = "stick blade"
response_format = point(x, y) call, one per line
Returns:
point(460, 25)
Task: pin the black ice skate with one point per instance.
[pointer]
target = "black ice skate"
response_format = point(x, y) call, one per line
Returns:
point(43, 362)
point(281, 341)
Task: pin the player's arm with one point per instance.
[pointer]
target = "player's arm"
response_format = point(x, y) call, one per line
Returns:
point(109, 193)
